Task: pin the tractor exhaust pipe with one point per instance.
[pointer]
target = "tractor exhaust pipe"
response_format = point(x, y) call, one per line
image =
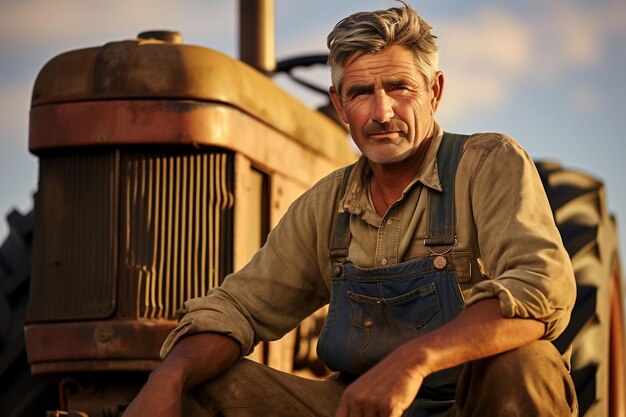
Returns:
point(256, 34)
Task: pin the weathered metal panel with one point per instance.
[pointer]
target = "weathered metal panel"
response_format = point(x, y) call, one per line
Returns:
point(74, 270)
point(152, 70)
point(168, 218)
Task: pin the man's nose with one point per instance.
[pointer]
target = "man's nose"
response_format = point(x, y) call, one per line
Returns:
point(382, 107)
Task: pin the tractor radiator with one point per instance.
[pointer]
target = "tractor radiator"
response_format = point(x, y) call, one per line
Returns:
point(129, 234)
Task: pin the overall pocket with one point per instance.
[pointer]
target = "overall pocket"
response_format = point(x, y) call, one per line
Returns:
point(379, 324)
point(371, 313)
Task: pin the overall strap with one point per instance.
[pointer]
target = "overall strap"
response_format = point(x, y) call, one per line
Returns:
point(442, 224)
point(441, 219)
point(340, 239)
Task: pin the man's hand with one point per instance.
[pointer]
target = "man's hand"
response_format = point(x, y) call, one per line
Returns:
point(386, 390)
point(479, 331)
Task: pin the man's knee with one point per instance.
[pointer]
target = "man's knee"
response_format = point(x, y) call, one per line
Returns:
point(525, 381)
point(527, 363)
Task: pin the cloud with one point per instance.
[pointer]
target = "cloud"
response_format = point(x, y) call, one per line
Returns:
point(580, 37)
point(470, 90)
point(483, 56)
point(489, 38)
point(26, 23)
point(14, 108)
point(585, 98)
point(568, 39)
point(612, 17)
point(492, 53)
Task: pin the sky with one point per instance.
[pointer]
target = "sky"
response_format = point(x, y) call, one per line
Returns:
point(549, 73)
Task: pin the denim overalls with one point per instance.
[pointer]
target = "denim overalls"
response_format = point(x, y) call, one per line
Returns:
point(372, 311)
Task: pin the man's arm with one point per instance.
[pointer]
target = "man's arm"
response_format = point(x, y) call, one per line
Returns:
point(480, 331)
point(193, 360)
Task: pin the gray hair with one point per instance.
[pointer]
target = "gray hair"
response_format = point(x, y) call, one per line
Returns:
point(369, 32)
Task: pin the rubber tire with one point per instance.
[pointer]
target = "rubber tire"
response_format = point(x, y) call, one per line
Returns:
point(589, 234)
point(21, 395)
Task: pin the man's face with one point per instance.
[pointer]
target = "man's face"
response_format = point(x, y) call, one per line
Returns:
point(387, 104)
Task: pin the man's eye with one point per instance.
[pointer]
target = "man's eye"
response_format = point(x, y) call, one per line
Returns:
point(357, 94)
point(400, 91)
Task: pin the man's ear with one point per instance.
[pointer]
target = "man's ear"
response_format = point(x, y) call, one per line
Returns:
point(336, 100)
point(437, 88)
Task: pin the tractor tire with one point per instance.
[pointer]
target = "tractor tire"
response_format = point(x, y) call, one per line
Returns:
point(595, 333)
point(21, 395)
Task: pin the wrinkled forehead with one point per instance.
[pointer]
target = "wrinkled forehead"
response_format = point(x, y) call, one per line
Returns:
point(392, 63)
point(401, 57)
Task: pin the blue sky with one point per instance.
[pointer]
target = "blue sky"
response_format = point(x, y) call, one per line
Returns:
point(549, 73)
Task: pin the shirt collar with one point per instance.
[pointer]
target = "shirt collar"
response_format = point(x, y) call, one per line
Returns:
point(356, 198)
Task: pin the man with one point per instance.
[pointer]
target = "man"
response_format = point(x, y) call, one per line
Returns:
point(438, 253)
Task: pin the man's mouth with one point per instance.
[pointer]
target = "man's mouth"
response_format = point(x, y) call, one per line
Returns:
point(393, 128)
point(386, 134)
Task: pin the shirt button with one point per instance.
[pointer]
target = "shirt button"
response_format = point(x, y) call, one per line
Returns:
point(389, 222)
point(383, 261)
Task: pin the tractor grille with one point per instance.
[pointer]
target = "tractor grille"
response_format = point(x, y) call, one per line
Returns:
point(129, 234)
point(176, 217)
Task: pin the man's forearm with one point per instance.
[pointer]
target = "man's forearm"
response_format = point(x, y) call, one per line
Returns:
point(194, 359)
point(197, 358)
point(480, 331)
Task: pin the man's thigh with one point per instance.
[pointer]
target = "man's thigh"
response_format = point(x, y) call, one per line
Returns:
point(251, 389)
point(529, 381)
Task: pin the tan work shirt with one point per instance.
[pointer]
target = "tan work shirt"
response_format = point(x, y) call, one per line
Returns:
point(508, 247)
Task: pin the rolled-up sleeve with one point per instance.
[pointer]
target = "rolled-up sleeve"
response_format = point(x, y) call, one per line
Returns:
point(523, 257)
